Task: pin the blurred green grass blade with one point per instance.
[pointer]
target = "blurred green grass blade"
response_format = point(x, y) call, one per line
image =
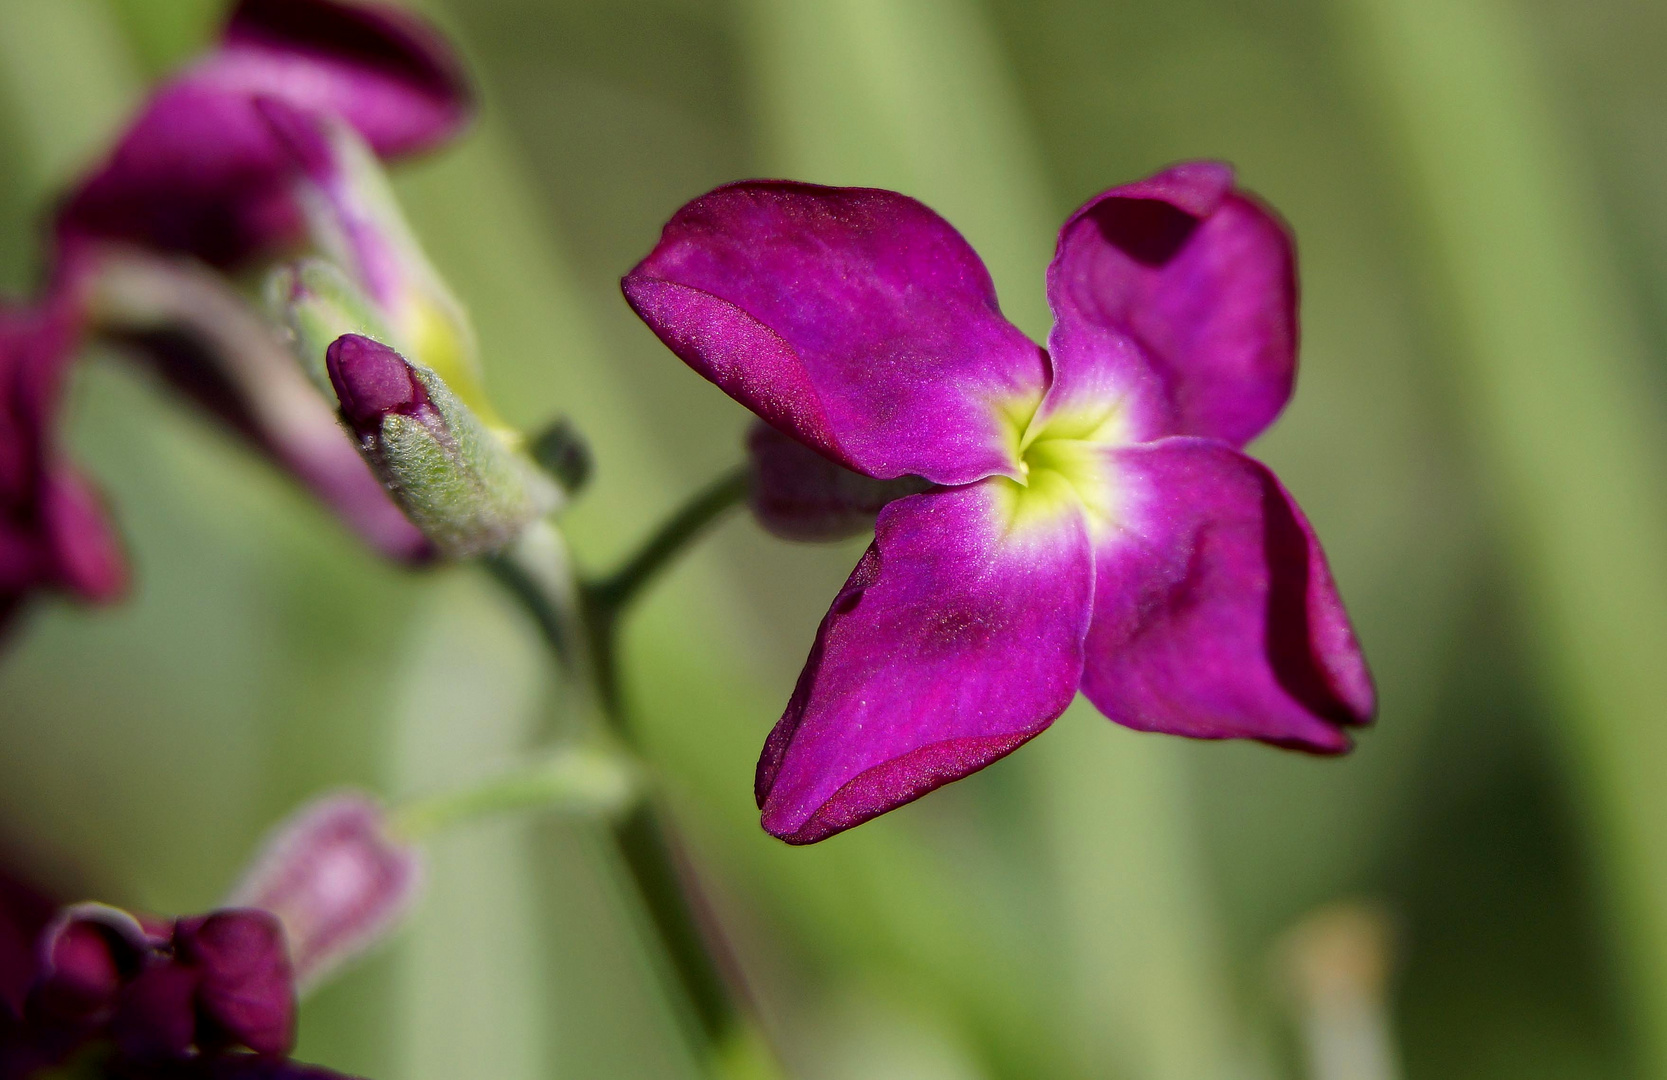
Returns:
point(471, 985)
point(66, 79)
point(165, 33)
point(1149, 995)
point(1563, 413)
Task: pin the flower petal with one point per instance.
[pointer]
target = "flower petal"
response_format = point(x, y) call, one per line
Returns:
point(856, 320)
point(85, 956)
point(955, 640)
point(1215, 615)
point(246, 990)
point(53, 529)
point(157, 1014)
point(200, 172)
point(382, 69)
point(797, 494)
point(1181, 292)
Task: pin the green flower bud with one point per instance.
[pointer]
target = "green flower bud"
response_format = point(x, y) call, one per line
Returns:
point(464, 485)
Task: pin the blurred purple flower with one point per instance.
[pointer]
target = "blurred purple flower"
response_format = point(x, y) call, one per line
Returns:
point(53, 532)
point(1089, 520)
point(99, 992)
point(198, 171)
point(206, 996)
point(163, 989)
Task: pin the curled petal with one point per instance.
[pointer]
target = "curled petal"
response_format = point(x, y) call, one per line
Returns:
point(855, 320)
point(199, 171)
point(86, 954)
point(1215, 615)
point(957, 638)
point(335, 878)
point(53, 529)
point(1178, 293)
point(797, 494)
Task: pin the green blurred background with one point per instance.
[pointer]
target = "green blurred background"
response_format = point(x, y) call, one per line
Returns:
point(1479, 191)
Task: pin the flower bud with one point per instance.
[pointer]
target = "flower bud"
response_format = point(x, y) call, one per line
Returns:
point(458, 481)
point(160, 987)
point(355, 220)
point(337, 880)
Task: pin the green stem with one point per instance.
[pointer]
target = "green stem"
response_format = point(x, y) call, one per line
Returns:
point(580, 622)
point(585, 780)
point(538, 572)
point(694, 517)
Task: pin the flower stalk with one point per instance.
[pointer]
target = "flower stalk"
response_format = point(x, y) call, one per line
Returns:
point(579, 619)
point(585, 780)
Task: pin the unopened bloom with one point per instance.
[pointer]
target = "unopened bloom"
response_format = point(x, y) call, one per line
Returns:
point(336, 878)
point(97, 991)
point(1088, 520)
point(53, 532)
point(469, 491)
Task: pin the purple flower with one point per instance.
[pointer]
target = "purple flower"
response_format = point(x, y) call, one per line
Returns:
point(209, 996)
point(198, 171)
point(1088, 520)
point(53, 532)
point(201, 173)
point(164, 989)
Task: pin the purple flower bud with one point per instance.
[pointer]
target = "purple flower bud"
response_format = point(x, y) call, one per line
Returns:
point(153, 999)
point(462, 484)
point(335, 878)
point(372, 381)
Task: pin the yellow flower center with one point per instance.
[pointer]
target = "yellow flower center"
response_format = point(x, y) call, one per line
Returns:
point(1063, 466)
